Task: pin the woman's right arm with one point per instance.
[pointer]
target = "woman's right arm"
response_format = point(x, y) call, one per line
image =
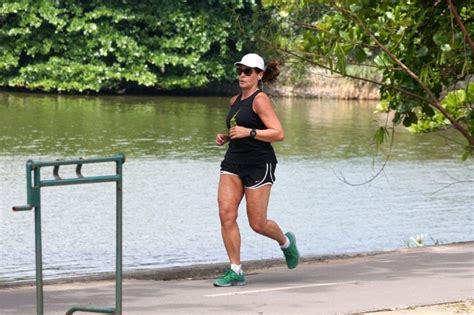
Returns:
point(222, 138)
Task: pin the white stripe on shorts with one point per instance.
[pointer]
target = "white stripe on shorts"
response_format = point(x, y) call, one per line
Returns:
point(253, 187)
point(271, 174)
point(228, 173)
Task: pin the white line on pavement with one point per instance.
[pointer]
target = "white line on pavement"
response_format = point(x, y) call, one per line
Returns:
point(279, 289)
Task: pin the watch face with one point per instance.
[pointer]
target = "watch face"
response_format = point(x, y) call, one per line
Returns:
point(253, 133)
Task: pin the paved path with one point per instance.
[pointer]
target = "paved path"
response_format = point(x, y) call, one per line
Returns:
point(336, 286)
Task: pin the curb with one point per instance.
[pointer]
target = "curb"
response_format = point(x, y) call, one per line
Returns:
point(203, 271)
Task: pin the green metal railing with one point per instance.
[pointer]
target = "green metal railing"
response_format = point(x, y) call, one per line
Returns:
point(34, 183)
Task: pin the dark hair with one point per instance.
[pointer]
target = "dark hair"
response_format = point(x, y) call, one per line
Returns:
point(272, 70)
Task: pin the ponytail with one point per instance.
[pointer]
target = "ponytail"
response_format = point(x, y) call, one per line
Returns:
point(272, 70)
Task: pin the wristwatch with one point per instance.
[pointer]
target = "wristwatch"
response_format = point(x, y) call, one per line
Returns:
point(253, 133)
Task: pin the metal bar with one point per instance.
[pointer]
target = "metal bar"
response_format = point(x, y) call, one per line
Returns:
point(78, 171)
point(29, 170)
point(38, 247)
point(56, 172)
point(118, 269)
point(91, 309)
point(22, 208)
point(116, 158)
point(82, 180)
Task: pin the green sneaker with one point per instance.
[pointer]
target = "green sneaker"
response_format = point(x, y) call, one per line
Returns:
point(291, 253)
point(230, 278)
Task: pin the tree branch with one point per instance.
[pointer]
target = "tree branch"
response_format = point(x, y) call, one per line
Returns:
point(435, 102)
point(457, 18)
point(316, 28)
point(390, 87)
point(451, 184)
point(382, 168)
point(313, 27)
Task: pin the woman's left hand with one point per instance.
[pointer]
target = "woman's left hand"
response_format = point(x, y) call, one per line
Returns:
point(237, 132)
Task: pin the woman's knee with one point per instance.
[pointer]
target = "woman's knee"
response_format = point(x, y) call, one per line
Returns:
point(258, 225)
point(227, 216)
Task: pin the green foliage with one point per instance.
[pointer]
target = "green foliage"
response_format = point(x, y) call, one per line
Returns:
point(457, 103)
point(416, 46)
point(79, 46)
point(380, 136)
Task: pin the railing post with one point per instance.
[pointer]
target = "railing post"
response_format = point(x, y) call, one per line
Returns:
point(33, 193)
point(118, 269)
point(35, 196)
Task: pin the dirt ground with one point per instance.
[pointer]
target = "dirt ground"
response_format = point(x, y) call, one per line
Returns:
point(457, 308)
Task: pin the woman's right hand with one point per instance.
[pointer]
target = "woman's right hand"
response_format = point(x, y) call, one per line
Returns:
point(222, 138)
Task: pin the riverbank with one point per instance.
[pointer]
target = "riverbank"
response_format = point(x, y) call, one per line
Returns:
point(195, 272)
point(322, 84)
point(205, 271)
point(318, 83)
point(428, 278)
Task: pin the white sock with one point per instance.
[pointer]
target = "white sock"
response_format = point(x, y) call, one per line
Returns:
point(287, 243)
point(236, 268)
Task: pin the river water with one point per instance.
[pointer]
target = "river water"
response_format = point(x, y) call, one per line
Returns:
point(172, 171)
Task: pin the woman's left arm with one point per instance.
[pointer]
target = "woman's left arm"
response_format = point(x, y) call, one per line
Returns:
point(264, 109)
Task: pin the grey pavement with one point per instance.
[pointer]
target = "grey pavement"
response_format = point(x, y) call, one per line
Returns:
point(387, 280)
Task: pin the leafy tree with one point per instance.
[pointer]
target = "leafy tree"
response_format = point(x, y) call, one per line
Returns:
point(64, 45)
point(422, 50)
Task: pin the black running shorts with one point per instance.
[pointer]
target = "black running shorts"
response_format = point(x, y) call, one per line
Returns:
point(252, 176)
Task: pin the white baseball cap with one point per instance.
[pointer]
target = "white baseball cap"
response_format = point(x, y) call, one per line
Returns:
point(252, 61)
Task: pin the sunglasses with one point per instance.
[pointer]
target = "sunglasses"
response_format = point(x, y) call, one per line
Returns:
point(247, 71)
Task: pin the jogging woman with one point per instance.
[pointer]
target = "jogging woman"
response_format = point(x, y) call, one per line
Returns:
point(249, 166)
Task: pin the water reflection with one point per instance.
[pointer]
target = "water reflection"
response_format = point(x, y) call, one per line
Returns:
point(172, 127)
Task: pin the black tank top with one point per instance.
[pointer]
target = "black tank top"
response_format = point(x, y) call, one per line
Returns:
point(247, 150)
